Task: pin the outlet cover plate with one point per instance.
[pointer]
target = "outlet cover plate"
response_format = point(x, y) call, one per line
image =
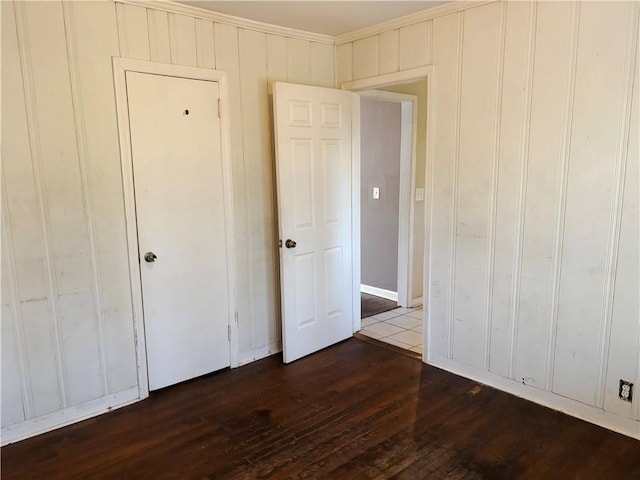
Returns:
point(625, 392)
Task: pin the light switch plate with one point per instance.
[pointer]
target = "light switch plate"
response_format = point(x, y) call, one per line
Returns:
point(376, 193)
point(419, 194)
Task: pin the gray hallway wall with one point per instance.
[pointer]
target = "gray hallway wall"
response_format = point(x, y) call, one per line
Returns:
point(380, 167)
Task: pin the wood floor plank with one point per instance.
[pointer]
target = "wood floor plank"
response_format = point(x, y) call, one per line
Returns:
point(371, 305)
point(352, 411)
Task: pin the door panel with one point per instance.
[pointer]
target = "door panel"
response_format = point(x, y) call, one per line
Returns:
point(313, 150)
point(177, 166)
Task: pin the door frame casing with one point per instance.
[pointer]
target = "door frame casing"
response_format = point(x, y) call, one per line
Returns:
point(120, 67)
point(408, 141)
point(405, 76)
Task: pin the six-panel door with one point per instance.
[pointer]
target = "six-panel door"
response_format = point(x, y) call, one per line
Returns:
point(313, 150)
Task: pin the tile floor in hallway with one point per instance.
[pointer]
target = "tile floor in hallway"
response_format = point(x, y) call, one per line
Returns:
point(401, 327)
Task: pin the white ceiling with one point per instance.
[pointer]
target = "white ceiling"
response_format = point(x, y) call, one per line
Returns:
point(329, 17)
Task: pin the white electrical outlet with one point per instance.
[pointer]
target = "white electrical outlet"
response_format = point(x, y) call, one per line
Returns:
point(626, 389)
point(625, 392)
point(376, 193)
point(419, 194)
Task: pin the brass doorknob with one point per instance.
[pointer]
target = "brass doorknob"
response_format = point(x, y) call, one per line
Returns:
point(290, 243)
point(150, 257)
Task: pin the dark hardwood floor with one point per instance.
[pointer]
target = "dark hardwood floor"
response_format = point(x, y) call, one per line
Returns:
point(352, 411)
point(372, 305)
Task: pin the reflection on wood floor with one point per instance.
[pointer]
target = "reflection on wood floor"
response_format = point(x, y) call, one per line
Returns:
point(351, 411)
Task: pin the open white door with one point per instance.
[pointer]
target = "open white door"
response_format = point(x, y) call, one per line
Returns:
point(313, 164)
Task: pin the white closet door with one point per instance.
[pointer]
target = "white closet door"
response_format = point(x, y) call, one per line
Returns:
point(177, 164)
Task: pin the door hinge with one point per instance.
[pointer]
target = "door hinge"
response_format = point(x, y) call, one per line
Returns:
point(219, 108)
point(229, 332)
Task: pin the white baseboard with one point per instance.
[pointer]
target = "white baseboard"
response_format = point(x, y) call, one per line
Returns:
point(415, 302)
point(611, 421)
point(51, 421)
point(379, 292)
point(257, 354)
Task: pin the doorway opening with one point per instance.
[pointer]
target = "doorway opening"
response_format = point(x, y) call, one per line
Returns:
point(317, 134)
point(392, 176)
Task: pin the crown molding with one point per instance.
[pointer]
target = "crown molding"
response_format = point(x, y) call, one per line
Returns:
point(410, 19)
point(197, 12)
point(417, 17)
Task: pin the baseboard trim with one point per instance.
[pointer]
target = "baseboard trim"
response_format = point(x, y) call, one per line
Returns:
point(414, 302)
point(608, 420)
point(379, 292)
point(61, 418)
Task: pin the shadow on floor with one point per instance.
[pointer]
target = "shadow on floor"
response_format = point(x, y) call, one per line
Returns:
point(372, 305)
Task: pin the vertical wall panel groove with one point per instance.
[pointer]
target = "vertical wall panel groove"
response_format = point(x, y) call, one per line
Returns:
point(36, 159)
point(298, 64)
point(251, 285)
point(196, 51)
point(253, 85)
point(159, 43)
point(550, 91)
point(413, 45)
point(616, 207)
point(388, 51)
point(122, 30)
point(365, 57)
point(205, 48)
point(23, 365)
point(344, 63)
point(226, 56)
point(95, 34)
point(561, 200)
point(454, 188)
point(476, 151)
point(150, 33)
point(493, 196)
point(182, 40)
point(634, 146)
point(519, 240)
point(514, 82)
point(429, 48)
point(276, 60)
point(322, 65)
point(81, 143)
point(276, 71)
point(602, 66)
point(133, 31)
point(445, 91)
point(12, 80)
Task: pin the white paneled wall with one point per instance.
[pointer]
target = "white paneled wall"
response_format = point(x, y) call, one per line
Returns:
point(533, 262)
point(68, 346)
point(533, 206)
point(67, 287)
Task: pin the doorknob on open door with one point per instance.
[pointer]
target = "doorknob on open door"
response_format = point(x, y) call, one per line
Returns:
point(290, 243)
point(150, 257)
